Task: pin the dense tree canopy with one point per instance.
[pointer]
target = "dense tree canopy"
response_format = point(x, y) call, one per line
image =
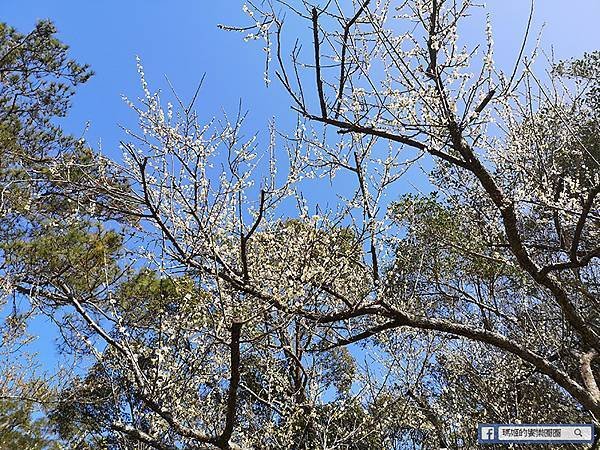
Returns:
point(208, 298)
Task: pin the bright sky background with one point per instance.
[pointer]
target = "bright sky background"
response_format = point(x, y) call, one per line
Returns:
point(180, 39)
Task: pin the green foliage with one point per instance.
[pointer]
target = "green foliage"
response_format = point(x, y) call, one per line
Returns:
point(36, 84)
point(145, 295)
point(86, 410)
point(584, 71)
point(24, 427)
point(37, 81)
point(445, 239)
point(340, 369)
point(83, 258)
point(146, 302)
point(44, 243)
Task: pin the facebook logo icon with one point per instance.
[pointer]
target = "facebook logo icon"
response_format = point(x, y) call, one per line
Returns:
point(487, 434)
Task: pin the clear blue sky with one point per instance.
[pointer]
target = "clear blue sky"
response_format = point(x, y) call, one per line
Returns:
point(180, 39)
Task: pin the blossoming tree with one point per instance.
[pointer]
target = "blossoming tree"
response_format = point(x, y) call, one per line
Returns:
point(212, 310)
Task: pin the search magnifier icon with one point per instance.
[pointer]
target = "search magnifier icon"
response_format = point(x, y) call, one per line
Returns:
point(577, 432)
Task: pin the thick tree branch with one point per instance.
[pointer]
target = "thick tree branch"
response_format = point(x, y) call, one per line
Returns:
point(587, 374)
point(141, 436)
point(497, 340)
point(315, 23)
point(246, 237)
point(485, 101)
point(345, 37)
point(364, 335)
point(347, 127)
point(581, 222)
point(432, 46)
point(511, 228)
point(501, 342)
point(234, 382)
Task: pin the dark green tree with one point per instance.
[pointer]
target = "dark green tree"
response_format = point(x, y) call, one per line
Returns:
point(22, 427)
point(37, 157)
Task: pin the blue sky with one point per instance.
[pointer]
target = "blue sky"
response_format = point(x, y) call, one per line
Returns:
point(177, 39)
point(180, 39)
